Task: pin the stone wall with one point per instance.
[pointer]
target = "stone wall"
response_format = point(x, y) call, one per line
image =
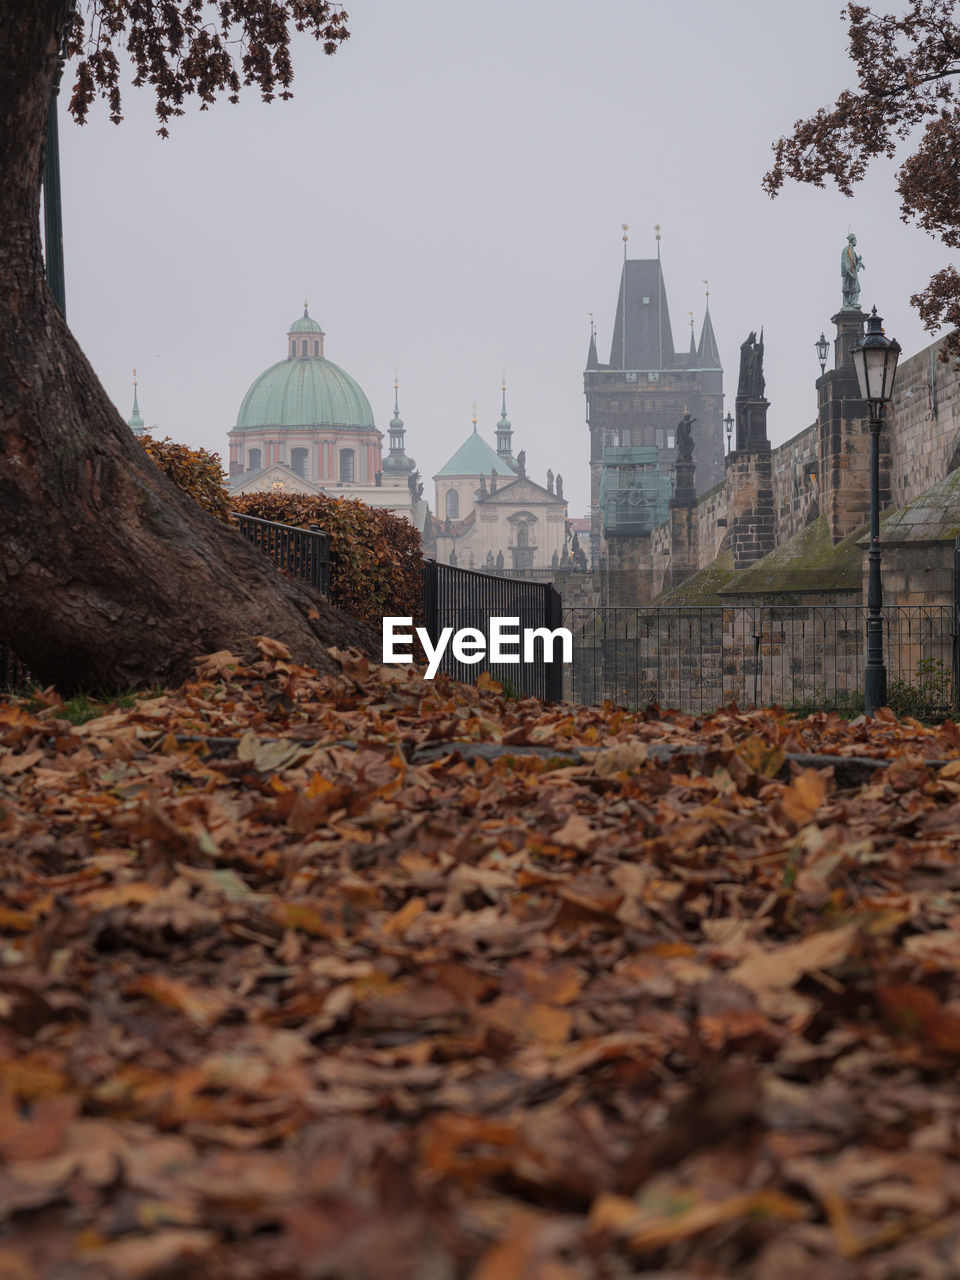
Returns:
point(629, 571)
point(713, 521)
point(697, 660)
point(918, 575)
point(796, 487)
point(924, 423)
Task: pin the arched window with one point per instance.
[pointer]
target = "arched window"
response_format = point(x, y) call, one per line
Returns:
point(523, 535)
point(453, 505)
point(253, 460)
point(298, 461)
point(346, 466)
point(316, 347)
point(303, 347)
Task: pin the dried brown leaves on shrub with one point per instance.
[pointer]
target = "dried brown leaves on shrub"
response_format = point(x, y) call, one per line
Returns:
point(195, 471)
point(376, 557)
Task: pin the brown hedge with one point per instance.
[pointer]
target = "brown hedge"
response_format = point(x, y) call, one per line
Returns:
point(375, 556)
point(196, 471)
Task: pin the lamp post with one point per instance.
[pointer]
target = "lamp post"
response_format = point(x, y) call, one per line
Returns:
point(728, 427)
point(822, 346)
point(875, 360)
point(52, 206)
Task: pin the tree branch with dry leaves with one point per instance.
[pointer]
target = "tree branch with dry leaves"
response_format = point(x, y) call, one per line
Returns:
point(199, 48)
point(907, 68)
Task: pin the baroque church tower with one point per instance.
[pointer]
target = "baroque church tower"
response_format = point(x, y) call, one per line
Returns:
point(636, 401)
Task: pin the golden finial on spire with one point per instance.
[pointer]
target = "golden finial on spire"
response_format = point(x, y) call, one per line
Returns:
point(625, 228)
point(134, 377)
point(304, 304)
point(690, 314)
point(707, 283)
point(503, 381)
point(474, 413)
point(396, 377)
point(656, 227)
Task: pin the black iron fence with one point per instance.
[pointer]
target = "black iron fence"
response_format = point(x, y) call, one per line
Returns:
point(802, 657)
point(461, 598)
point(303, 553)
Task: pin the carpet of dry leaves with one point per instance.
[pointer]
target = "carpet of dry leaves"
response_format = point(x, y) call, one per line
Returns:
point(337, 998)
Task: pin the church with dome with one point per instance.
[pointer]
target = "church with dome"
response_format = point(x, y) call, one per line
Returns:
point(305, 426)
point(491, 515)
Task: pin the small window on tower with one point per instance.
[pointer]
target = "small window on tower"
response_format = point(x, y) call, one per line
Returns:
point(316, 347)
point(453, 505)
point(346, 466)
point(303, 347)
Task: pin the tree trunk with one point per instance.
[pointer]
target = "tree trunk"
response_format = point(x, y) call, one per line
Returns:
point(110, 576)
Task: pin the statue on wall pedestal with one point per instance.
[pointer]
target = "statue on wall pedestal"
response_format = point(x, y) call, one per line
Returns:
point(850, 264)
point(559, 485)
point(751, 367)
point(549, 481)
point(685, 438)
point(500, 560)
point(522, 462)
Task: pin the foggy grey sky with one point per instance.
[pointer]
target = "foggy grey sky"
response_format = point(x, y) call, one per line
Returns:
point(448, 191)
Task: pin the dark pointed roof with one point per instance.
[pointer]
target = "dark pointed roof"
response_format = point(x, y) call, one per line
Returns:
point(708, 352)
point(593, 361)
point(649, 338)
point(694, 354)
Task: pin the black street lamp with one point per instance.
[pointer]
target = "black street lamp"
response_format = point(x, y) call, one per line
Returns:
point(822, 346)
point(875, 360)
point(728, 427)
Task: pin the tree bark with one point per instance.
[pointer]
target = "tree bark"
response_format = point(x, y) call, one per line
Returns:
point(110, 576)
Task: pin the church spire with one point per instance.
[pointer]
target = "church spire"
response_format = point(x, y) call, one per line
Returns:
point(694, 355)
point(592, 360)
point(135, 422)
point(708, 352)
point(397, 462)
point(504, 428)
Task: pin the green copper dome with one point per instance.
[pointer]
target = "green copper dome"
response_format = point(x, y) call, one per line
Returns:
point(474, 458)
point(305, 324)
point(311, 392)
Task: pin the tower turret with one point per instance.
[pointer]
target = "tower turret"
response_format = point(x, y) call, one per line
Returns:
point(305, 338)
point(135, 421)
point(505, 429)
point(396, 462)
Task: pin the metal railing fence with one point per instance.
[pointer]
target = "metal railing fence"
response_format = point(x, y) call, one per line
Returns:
point(802, 657)
point(460, 598)
point(303, 553)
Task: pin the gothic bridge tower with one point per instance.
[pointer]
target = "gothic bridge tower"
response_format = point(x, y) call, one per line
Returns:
point(640, 395)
